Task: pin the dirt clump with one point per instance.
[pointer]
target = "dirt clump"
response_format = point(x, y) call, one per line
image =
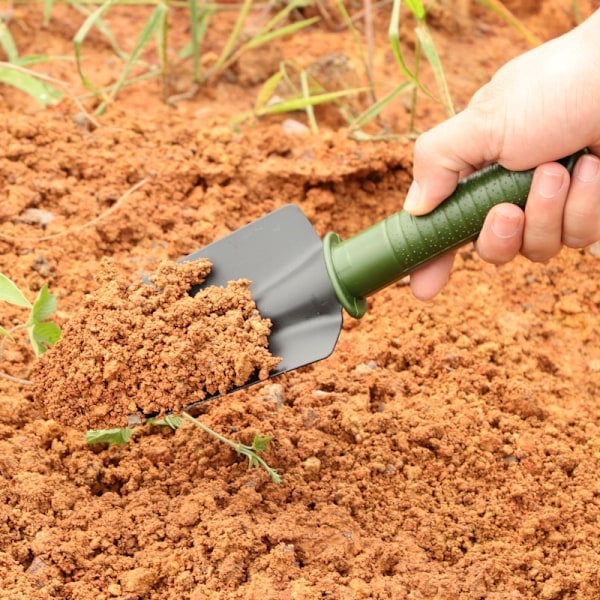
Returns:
point(145, 349)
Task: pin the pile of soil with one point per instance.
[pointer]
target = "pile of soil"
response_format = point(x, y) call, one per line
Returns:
point(446, 450)
point(137, 349)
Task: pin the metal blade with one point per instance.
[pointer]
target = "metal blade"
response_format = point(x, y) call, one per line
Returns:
point(282, 255)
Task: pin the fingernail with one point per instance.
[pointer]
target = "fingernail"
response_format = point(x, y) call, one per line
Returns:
point(505, 226)
point(550, 183)
point(587, 168)
point(412, 200)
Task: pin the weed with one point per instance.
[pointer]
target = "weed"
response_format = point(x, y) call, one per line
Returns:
point(41, 332)
point(259, 443)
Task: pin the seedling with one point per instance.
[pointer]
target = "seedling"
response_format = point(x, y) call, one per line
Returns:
point(259, 443)
point(41, 332)
point(155, 31)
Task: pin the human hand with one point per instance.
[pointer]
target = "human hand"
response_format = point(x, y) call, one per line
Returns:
point(539, 107)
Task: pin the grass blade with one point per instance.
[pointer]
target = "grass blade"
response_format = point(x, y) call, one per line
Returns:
point(428, 47)
point(233, 38)
point(157, 18)
point(267, 90)
point(199, 30)
point(268, 36)
point(47, 11)
point(310, 111)
point(394, 41)
point(375, 109)
point(103, 28)
point(497, 7)
point(301, 103)
point(79, 38)
point(44, 94)
point(7, 43)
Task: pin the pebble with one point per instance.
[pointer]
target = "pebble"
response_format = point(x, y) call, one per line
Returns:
point(293, 127)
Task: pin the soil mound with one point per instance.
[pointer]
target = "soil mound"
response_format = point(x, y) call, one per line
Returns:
point(147, 349)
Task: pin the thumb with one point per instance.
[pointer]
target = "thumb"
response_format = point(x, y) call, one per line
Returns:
point(442, 156)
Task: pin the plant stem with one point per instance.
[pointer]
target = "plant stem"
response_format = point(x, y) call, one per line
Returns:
point(253, 458)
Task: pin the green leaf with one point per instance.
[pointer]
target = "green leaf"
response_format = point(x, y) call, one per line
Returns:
point(40, 91)
point(44, 305)
point(119, 435)
point(154, 23)
point(234, 36)
point(430, 51)
point(267, 90)
point(261, 39)
point(47, 11)
point(7, 43)
point(260, 443)
point(373, 111)
point(173, 421)
point(9, 292)
point(294, 104)
point(5, 333)
point(80, 36)
point(43, 336)
point(417, 9)
point(199, 27)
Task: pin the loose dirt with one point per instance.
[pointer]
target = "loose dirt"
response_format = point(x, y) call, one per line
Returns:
point(446, 450)
point(139, 349)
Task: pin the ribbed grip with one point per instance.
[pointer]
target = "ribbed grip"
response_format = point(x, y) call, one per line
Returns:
point(396, 246)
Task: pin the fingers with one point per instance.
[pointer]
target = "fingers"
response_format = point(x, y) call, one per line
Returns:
point(560, 210)
point(427, 281)
point(544, 211)
point(501, 236)
point(581, 223)
point(437, 166)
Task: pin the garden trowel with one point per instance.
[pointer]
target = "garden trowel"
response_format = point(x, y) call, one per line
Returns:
point(302, 282)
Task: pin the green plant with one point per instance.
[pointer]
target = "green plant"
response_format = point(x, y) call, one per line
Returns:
point(41, 332)
point(14, 72)
point(156, 31)
point(306, 94)
point(424, 45)
point(259, 444)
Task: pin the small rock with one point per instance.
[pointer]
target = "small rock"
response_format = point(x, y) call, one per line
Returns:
point(35, 216)
point(293, 127)
point(139, 581)
point(569, 305)
point(275, 394)
point(365, 368)
point(312, 465)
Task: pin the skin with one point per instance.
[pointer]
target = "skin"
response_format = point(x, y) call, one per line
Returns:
point(539, 107)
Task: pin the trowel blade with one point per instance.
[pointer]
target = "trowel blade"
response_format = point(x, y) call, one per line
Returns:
point(282, 256)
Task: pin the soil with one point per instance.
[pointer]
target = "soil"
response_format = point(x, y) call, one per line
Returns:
point(446, 450)
point(151, 348)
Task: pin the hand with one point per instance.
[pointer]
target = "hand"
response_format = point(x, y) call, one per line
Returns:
point(538, 108)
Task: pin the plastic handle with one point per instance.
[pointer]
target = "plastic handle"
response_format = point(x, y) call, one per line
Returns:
point(392, 248)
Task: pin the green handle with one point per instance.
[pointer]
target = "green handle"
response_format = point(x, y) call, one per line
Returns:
point(396, 246)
